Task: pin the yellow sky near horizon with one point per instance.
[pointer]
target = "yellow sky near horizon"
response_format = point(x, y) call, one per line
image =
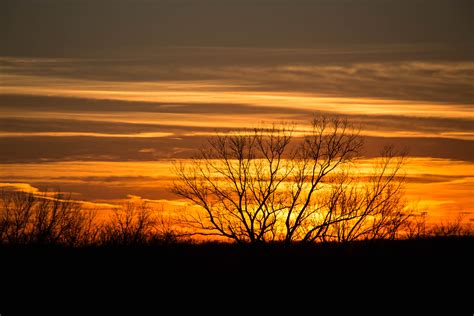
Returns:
point(441, 187)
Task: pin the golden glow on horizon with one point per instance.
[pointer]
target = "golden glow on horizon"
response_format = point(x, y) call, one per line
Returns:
point(441, 187)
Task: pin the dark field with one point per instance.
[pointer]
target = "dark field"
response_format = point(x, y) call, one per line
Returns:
point(428, 273)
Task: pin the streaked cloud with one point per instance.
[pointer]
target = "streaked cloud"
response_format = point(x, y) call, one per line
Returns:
point(409, 99)
point(26, 187)
point(41, 115)
point(430, 86)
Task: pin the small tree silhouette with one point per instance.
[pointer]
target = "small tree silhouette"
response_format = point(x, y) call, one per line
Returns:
point(131, 224)
point(44, 220)
point(368, 210)
point(415, 227)
point(453, 227)
point(17, 212)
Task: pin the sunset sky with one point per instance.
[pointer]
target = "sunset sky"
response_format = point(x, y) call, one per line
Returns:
point(98, 97)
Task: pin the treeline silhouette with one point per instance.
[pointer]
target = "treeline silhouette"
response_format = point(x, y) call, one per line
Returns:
point(29, 219)
point(51, 247)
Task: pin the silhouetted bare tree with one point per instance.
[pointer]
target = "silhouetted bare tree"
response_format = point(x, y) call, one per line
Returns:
point(131, 224)
point(373, 209)
point(17, 212)
point(450, 228)
point(164, 228)
point(29, 219)
point(415, 227)
point(262, 185)
point(55, 219)
point(84, 229)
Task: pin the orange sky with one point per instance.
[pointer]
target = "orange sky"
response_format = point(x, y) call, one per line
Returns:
point(441, 187)
point(98, 104)
point(95, 138)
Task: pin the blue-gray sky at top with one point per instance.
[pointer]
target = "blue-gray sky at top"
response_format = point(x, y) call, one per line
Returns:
point(106, 27)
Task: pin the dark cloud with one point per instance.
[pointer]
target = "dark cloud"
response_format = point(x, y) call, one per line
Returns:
point(432, 178)
point(64, 125)
point(37, 149)
point(433, 125)
point(107, 191)
point(423, 147)
point(43, 149)
point(61, 104)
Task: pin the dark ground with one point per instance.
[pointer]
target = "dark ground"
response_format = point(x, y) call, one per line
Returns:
point(434, 274)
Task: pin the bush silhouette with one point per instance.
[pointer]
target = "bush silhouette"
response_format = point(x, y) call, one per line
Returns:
point(27, 219)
